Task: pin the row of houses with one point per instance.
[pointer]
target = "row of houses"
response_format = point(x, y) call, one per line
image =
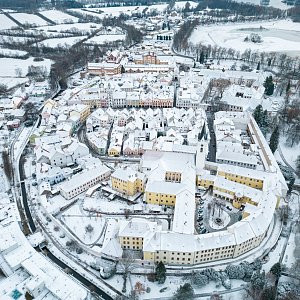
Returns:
point(135, 131)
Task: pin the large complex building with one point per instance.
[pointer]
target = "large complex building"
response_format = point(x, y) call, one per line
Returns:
point(172, 180)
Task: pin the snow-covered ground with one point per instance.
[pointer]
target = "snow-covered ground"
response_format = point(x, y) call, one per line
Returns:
point(68, 27)
point(279, 36)
point(11, 82)
point(6, 23)
point(181, 4)
point(289, 258)
point(9, 65)
point(31, 19)
point(12, 52)
point(14, 39)
point(274, 3)
point(58, 16)
point(289, 153)
point(129, 10)
point(105, 38)
point(167, 289)
point(102, 204)
point(63, 42)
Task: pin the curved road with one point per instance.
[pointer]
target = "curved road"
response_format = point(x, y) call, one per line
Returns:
point(88, 284)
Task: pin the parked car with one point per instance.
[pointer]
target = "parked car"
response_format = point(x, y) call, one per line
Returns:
point(203, 231)
point(229, 208)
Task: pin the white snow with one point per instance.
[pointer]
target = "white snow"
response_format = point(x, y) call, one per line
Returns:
point(62, 42)
point(289, 258)
point(9, 65)
point(290, 153)
point(11, 82)
point(64, 27)
point(58, 16)
point(14, 39)
point(105, 38)
point(274, 3)
point(77, 222)
point(279, 36)
point(181, 5)
point(12, 52)
point(6, 23)
point(31, 19)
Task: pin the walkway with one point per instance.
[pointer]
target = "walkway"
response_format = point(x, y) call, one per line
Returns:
point(285, 161)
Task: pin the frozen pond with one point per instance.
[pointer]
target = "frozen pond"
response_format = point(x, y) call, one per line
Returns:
point(277, 36)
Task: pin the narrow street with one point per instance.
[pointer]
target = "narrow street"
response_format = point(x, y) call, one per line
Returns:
point(212, 144)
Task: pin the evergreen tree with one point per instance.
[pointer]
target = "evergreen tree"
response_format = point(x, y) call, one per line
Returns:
point(274, 139)
point(298, 165)
point(184, 292)
point(201, 59)
point(258, 66)
point(160, 272)
point(276, 270)
point(288, 87)
point(269, 86)
point(258, 115)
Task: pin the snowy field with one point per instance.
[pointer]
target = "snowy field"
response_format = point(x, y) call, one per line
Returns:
point(29, 19)
point(103, 205)
point(58, 16)
point(279, 36)
point(274, 3)
point(289, 153)
point(63, 42)
point(11, 82)
point(6, 23)
point(12, 52)
point(14, 39)
point(105, 38)
point(129, 10)
point(68, 27)
point(181, 5)
point(9, 65)
point(77, 222)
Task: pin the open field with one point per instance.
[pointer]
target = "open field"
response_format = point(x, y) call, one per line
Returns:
point(68, 27)
point(277, 36)
point(31, 19)
point(69, 41)
point(102, 39)
point(6, 23)
point(9, 65)
point(58, 16)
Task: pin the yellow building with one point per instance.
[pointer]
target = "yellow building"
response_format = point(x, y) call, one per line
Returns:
point(81, 110)
point(205, 180)
point(114, 151)
point(133, 232)
point(128, 181)
point(237, 193)
point(162, 193)
point(252, 178)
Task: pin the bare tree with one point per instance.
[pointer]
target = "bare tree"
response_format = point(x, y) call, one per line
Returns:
point(126, 265)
